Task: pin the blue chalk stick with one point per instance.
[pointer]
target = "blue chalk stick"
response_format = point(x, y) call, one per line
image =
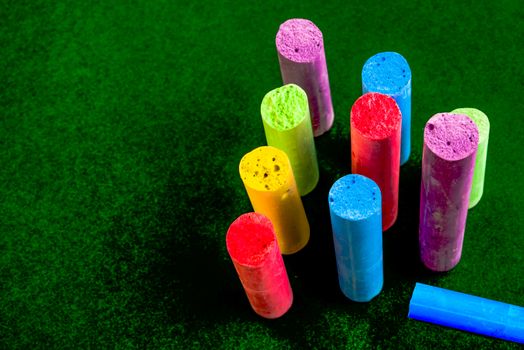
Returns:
point(389, 73)
point(467, 312)
point(356, 219)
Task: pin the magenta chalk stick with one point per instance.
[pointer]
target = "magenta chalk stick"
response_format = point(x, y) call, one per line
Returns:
point(253, 248)
point(300, 48)
point(448, 161)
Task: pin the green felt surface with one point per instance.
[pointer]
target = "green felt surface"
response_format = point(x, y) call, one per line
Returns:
point(121, 128)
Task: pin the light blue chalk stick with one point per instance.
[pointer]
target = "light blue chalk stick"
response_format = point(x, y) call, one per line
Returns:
point(389, 73)
point(356, 219)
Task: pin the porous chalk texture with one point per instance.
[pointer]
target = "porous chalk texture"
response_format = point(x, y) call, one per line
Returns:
point(451, 136)
point(299, 40)
point(265, 169)
point(388, 73)
point(355, 197)
point(375, 117)
point(285, 107)
point(250, 239)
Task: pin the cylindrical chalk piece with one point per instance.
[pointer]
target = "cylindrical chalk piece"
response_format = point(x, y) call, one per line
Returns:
point(270, 185)
point(285, 115)
point(482, 122)
point(375, 147)
point(356, 220)
point(467, 312)
point(252, 246)
point(448, 160)
point(300, 48)
point(389, 73)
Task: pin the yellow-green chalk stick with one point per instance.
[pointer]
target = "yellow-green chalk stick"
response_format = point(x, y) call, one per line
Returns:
point(287, 124)
point(482, 122)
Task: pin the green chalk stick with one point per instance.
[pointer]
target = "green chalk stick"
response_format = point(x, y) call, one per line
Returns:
point(287, 125)
point(482, 122)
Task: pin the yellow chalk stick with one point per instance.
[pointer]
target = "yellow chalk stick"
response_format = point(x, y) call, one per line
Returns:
point(268, 178)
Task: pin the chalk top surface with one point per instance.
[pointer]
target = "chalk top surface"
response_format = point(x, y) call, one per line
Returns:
point(250, 239)
point(386, 72)
point(265, 168)
point(355, 197)
point(451, 136)
point(299, 40)
point(376, 116)
point(285, 107)
point(480, 119)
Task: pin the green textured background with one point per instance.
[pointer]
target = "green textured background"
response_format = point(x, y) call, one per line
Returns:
point(121, 127)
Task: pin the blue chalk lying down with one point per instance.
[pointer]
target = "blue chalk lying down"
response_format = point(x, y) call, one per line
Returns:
point(467, 312)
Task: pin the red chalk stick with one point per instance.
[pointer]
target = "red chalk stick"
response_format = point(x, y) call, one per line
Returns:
point(252, 245)
point(375, 147)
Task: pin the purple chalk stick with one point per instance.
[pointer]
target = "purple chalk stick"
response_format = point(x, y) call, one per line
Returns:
point(300, 48)
point(448, 160)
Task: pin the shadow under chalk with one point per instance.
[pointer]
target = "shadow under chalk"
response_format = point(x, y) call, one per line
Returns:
point(313, 270)
point(401, 250)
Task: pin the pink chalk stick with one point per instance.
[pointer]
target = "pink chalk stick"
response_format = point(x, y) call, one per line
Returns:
point(448, 161)
point(300, 48)
point(252, 246)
